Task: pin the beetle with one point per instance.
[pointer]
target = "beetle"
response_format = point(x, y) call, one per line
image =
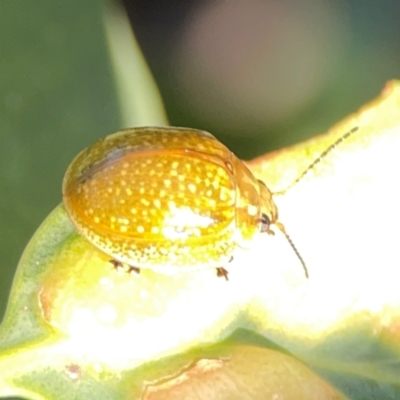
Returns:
point(168, 198)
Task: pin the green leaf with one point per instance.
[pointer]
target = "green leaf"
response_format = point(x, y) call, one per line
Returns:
point(75, 327)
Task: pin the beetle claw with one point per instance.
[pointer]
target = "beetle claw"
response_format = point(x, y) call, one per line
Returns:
point(133, 269)
point(222, 273)
point(117, 265)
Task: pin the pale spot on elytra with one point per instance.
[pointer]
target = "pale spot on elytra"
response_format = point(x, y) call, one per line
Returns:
point(145, 202)
point(157, 203)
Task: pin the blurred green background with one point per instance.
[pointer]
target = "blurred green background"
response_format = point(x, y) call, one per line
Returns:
point(257, 74)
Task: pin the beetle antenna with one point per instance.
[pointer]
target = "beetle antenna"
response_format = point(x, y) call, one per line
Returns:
point(336, 143)
point(292, 245)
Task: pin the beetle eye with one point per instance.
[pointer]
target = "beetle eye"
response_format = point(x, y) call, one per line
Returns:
point(265, 223)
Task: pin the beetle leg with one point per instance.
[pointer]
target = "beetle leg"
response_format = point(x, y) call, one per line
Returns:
point(222, 273)
point(118, 266)
point(133, 269)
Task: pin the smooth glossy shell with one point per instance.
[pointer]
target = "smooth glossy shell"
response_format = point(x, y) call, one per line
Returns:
point(164, 197)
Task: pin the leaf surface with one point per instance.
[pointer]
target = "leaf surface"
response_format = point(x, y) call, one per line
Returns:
point(75, 326)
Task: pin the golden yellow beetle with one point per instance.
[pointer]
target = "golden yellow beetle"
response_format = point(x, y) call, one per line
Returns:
point(167, 198)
